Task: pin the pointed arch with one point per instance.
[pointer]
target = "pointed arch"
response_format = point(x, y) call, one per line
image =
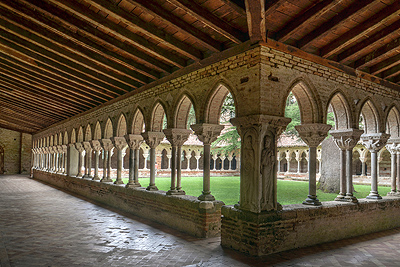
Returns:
point(138, 122)
point(97, 131)
point(371, 117)
point(215, 101)
point(51, 140)
point(157, 117)
point(393, 122)
point(65, 138)
point(60, 139)
point(121, 126)
point(341, 110)
point(108, 130)
point(88, 133)
point(182, 111)
point(79, 138)
point(73, 136)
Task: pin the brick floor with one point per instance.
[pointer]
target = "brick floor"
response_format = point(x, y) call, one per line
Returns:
point(43, 226)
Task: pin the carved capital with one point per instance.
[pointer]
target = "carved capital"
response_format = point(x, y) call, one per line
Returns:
point(87, 146)
point(177, 137)
point(119, 143)
point(346, 139)
point(79, 147)
point(313, 133)
point(60, 149)
point(106, 144)
point(64, 148)
point(273, 123)
point(153, 139)
point(374, 142)
point(207, 133)
point(392, 148)
point(96, 145)
point(134, 140)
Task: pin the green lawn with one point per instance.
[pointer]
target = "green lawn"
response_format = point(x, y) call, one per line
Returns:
point(227, 189)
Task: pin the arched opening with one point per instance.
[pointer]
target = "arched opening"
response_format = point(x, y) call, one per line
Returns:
point(185, 113)
point(393, 123)
point(158, 119)
point(369, 118)
point(164, 159)
point(339, 108)
point(138, 124)
point(97, 131)
point(88, 133)
point(121, 126)
point(108, 130)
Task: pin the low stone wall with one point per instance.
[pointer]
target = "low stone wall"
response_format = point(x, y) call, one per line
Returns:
point(301, 226)
point(184, 213)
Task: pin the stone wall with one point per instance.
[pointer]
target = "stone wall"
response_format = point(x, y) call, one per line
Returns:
point(301, 226)
point(17, 151)
point(184, 213)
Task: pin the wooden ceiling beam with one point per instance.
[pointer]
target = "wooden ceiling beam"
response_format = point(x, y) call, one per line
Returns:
point(14, 127)
point(209, 19)
point(72, 51)
point(385, 65)
point(12, 115)
point(363, 29)
point(301, 20)
point(82, 28)
point(148, 29)
point(48, 64)
point(390, 73)
point(255, 10)
point(354, 52)
point(84, 13)
point(377, 55)
point(183, 27)
point(237, 5)
point(272, 5)
point(47, 54)
point(335, 22)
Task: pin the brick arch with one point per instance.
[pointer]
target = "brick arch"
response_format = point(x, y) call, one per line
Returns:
point(88, 133)
point(215, 101)
point(65, 142)
point(341, 110)
point(97, 131)
point(138, 122)
point(393, 122)
point(108, 129)
point(157, 117)
point(79, 137)
point(306, 96)
point(182, 111)
point(371, 117)
point(73, 136)
point(121, 126)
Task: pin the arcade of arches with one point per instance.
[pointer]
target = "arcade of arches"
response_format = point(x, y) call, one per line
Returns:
point(259, 77)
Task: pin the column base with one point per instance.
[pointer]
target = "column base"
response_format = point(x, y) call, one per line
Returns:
point(118, 182)
point(79, 176)
point(106, 180)
point(206, 197)
point(312, 200)
point(351, 199)
point(374, 195)
point(176, 192)
point(96, 178)
point(152, 188)
point(132, 185)
point(393, 194)
point(340, 197)
point(88, 177)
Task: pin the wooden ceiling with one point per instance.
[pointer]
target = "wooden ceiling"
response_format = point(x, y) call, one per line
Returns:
point(59, 58)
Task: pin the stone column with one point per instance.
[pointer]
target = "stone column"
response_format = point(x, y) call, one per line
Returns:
point(134, 141)
point(188, 157)
point(258, 174)
point(145, 155)
point(230, 158)
point(153, 139)
point(80, 149)
point(107, 147)
point(215, 157)
point(298, 159)
point(65, 156)
point(374, 142)
point(207, 133)
point(312, 134)
point(177, 137)
point(392, 148)
point(169, 157)
point(120, 145)
point(398, 169)
point(346, 140)
point(96, 147)
point(88, 160)
point(222, 157)
point(197, 162)
point(288, 161)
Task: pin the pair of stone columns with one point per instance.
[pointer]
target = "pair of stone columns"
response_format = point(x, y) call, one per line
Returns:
point(393, 147)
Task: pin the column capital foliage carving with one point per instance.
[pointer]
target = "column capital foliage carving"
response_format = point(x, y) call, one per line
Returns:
point(106, 144)
point(375, 141)
point(119, 142)
point(87, 146)
point(207, 133)
point(153, 139)
point(79, 147)
point(313, 133)
point(177, 137)
point(273, 123)
point(95, 145)
point(346, 139)
point(134, 140)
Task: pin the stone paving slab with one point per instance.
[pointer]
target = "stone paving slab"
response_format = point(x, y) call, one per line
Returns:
point(43, 226)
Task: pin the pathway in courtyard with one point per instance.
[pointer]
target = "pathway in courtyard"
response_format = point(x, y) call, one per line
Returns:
point(42, 226)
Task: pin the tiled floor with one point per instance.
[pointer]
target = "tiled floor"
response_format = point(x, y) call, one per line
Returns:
point(42, 226)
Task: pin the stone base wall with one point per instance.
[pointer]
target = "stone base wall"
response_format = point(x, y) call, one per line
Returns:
point(184, 213)
point(301, 226)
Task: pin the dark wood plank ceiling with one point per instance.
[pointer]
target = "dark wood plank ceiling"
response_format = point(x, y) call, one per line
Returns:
point(59, 58)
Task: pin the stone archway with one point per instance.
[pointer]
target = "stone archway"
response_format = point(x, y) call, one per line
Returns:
point(1, 160)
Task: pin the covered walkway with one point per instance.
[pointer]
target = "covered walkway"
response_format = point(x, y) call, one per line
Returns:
point(42, 226)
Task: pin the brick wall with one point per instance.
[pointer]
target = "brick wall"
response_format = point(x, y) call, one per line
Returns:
point(17, 158)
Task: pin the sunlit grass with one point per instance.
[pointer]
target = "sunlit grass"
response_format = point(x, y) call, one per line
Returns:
point(226, 189)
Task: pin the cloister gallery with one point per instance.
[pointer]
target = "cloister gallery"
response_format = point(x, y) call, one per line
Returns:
point(127, 85)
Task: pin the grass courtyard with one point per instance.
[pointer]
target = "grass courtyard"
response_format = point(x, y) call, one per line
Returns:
point(226, 189)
